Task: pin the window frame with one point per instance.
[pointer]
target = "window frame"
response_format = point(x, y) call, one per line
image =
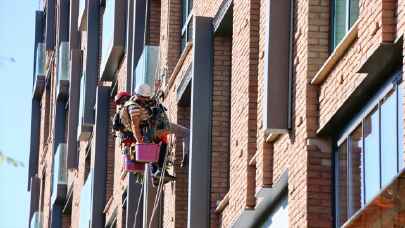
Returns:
point(185, 34)
point(333, 43)
point(375, 102)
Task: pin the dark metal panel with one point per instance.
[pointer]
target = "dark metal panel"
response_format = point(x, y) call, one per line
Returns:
point(201, 106)
point(92, 60)
point(59, 125)
point(149, 200)
point(99, 155)
point(129, 40)
point(50, 33)
point(118, 42)
point(34, 196)
point(134, 195)
point(34, 144)
point(138, 35)
point(63, 28)
point(74, 34)
point(56, 217)
point(74, 101)
point(39, 37)
point(276, 67)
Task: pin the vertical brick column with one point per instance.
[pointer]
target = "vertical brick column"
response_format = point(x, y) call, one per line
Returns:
point(220, 123)
point(243, 104)
point(170, 35)
point(319, 170)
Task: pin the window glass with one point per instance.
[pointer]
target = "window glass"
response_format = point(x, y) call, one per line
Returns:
point(345, 14)
point(278, 216)
point(342, 182)
point(339, 21)
point(388, 138)
point(356, 149)
point(400, 129)
point(108, 28)
point(354, 11)
point(372, 156)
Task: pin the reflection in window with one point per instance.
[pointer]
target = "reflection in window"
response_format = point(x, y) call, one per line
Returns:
point(372, 156)
point(388, 139)
point(369, 153)
point(356, 154)
point(342, 182)
point(345, 14)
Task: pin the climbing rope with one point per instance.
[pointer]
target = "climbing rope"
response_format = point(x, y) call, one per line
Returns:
point(137, 208)
point(160, 188)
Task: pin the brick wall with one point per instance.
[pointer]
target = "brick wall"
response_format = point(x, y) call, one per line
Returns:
point(238, 92)
point(220, 123)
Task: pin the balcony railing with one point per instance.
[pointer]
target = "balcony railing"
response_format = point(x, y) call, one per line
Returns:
point(146, 70)
point(113, 38)
point(85, 202)
point(59, 175)
point(63, 71)
point(86, 119)
point(36, 220)
point(82, 22)
point(40, 71)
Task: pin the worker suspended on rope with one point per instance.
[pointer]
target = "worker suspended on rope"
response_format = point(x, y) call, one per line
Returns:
point(144, 120)
point(122, 128)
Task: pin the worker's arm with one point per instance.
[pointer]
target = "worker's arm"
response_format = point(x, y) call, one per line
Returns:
point(135, 123)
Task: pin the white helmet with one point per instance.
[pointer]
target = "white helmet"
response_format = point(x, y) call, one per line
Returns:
point(143, 90)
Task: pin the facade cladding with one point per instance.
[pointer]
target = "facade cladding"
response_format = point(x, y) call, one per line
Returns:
point(293, 110)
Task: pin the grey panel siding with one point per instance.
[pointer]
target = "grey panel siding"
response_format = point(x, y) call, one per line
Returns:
point(276, 67)
point(100, 154)
point(50, 33)
point(134, 195)
point(34, 144)
point(118, 41)
point(59, 125)
point(34, 197)
point(39, 37)
point(201, 106)
point(129, 40)
point(92, 60)
point(56, 217)
point(74, 101)
point(74, 34)
point(138, 35)
point(63, 32)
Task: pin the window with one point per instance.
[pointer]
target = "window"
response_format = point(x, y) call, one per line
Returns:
point(345, 13)
point(279, 215)
point(186, 22)
point(368, 154)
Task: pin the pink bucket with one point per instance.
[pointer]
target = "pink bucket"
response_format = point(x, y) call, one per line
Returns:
point(147, 152)
point(132, 166)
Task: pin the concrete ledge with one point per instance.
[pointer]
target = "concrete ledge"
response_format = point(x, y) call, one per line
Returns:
point(177, 68)
point(336, 55)
point(222, 204)
point(251, 217)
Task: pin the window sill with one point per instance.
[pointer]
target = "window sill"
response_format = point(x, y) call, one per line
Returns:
point(177, 68)
point(272, 137)
point(222, 204)
point(336, 55)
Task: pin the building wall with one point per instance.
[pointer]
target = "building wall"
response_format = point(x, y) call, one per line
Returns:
point(239, 143)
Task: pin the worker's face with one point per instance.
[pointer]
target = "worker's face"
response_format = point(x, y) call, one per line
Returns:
point(142, 98)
